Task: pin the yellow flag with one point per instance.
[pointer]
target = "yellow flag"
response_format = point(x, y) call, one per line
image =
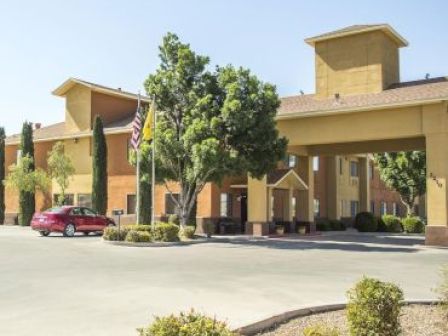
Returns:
point(148, 127)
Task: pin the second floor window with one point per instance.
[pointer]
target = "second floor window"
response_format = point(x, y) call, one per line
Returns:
point(316, 163)
point(353, 168)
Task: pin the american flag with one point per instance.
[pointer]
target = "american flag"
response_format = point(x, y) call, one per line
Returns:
point(136, 128)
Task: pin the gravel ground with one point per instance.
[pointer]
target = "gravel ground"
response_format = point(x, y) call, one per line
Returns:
point(417, 320)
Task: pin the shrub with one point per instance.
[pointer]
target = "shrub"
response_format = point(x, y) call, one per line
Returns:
point(337, 225)
point(366, 222)
point(111, 233)
point(188, 232)
point(173, 219)
point(186, 324)
point(138, 236)
point(320, 330)
point(392, 223)
point(374, 308)
point(323, 225)
point(140, 227)
point(381, 225)
point(413, 225)
point(442, 290)
point(166, 232)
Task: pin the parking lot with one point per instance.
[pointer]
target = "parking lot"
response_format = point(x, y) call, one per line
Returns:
point(82, 286)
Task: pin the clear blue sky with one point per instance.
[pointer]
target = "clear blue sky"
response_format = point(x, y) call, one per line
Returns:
point(114, 42)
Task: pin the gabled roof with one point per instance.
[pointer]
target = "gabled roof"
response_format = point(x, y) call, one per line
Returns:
point(276, 177)
point(357, 29)
point(397, 95)
point(62, 89)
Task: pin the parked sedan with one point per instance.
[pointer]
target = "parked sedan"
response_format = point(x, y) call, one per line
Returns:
point(69, 220)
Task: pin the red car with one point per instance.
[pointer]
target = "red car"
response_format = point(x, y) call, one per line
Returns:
point(68, 220)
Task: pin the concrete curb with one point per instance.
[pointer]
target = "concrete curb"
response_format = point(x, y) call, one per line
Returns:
point(155, 244)
point(271, 322)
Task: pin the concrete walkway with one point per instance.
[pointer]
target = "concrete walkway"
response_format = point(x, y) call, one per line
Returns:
point(81, 286)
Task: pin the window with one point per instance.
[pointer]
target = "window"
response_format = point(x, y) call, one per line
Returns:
point(354, 168)
point(372, 207)
point(69, 199)
point(316, 208)
point(292, 161)
point(294, 206)
point(383, 209)
point(88, 212)
point(76, 212)
point(225, 207)
point(394, 209)
point(371, 170)
point(131, 204)
point(85, 200)
point(170, 205)
point(341, 166)
point(316, 163)
point(354, 208)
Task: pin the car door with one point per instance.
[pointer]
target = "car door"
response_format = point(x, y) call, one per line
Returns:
point(77, 217)
point(91, 220)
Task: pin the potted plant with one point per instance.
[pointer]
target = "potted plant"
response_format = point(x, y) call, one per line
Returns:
point(302, 229)
point(280, 229)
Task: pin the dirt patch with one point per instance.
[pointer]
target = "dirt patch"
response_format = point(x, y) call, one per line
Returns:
point(416, 320)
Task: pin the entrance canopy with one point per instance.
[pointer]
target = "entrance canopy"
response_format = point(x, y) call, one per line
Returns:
point(280, 179)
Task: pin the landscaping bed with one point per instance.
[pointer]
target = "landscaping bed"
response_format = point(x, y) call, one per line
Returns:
point(416, 320)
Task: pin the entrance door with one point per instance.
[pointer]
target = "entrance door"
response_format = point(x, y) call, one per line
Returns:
point(243, 211)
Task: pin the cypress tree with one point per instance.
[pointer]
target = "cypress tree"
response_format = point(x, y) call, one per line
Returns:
point(27, 201)
point(2, 175)
point(99, 180)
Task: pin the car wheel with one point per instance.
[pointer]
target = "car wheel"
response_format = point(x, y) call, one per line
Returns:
point(86, 233)
point(69, 230)
point(44, 233)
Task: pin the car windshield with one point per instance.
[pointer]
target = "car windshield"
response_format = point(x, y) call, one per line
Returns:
point(55, 210)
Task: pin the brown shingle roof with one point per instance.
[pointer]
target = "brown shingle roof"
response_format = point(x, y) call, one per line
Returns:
point(401, 93)
point(58, 131)
point(276, 175)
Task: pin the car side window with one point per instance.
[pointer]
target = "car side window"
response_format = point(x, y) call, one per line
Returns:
point(88, 212)
point(76, 212)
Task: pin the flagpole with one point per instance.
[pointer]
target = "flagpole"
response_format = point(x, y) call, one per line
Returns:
point(138, 171)
point(153, 165)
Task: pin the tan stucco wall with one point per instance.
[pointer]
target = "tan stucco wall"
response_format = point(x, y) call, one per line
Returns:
point(356, 64)
point(78, 109)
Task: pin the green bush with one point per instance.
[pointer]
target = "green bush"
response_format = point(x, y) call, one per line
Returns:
point(173, 219)
point(111, 233)
point(186, 324)
point(323, 225)
point(392, 223)
point(337, 225)
point(366, 222)
point(166, 232)
point(187, 232)
point(374, 308)
point(140, 227)
point(138, 236)
point(413, 225)
point(381, 226)
point(320, 330)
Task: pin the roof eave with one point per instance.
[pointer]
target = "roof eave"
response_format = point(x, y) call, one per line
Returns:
point(322, 113)
point(387, 29)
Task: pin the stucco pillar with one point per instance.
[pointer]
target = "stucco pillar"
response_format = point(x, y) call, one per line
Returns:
point(332, 172)
point(306, 197)
point(364, 184)
point(437, 190)
point(291, 210)
point(258, 206)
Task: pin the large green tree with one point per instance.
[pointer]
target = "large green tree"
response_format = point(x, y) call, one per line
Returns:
point(60, 168)
point(211, 123)
point(27, 198)
point(99, 168)
point(2, 175)
point(404, 172)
